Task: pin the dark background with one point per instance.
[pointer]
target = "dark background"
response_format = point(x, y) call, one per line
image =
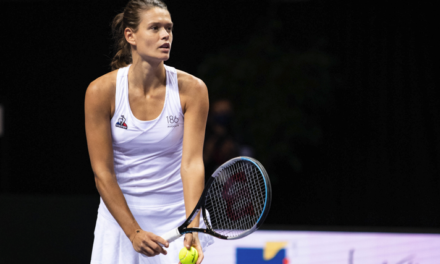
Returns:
point(338, 100)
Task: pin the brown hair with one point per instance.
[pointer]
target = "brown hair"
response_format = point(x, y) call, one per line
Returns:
point(129, 18)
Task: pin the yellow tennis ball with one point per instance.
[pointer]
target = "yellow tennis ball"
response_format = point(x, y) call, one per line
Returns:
point(188, 256)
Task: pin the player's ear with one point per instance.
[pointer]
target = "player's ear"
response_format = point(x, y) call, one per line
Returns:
point(129, 36)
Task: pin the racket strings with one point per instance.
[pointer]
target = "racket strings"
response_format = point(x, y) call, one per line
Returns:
point(236, 199)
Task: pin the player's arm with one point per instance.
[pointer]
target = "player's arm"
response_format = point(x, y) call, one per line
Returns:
point(195, 105)
point(98, 111)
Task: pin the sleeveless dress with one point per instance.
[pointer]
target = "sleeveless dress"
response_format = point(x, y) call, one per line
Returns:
point(147, 158)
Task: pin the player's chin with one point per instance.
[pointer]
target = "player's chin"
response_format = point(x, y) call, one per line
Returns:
point(157, 57)
point(164, 56)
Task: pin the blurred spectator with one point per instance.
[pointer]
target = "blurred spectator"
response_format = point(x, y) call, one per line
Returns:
point(221, 142)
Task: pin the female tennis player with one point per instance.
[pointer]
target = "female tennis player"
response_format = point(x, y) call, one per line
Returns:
point(145, 125)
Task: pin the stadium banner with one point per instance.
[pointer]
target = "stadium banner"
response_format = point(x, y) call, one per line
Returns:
point(311, 247)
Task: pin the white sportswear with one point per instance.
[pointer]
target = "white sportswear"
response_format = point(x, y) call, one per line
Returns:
point(147, 158)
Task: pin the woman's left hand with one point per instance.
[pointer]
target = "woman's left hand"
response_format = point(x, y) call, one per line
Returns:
point(193, 240)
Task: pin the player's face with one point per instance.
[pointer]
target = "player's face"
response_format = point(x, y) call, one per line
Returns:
point(154, 35)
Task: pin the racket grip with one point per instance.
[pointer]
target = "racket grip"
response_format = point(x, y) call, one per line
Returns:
point(171, 235)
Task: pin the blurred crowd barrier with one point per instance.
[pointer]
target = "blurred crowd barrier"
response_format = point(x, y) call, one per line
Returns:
point(299, 247)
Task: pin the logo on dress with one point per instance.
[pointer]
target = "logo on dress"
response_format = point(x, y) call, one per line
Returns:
point(121, 122)
point(173, 121)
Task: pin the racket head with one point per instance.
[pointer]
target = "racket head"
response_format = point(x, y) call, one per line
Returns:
point(238, 198)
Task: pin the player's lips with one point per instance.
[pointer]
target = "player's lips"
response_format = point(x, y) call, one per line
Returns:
point(165, 46)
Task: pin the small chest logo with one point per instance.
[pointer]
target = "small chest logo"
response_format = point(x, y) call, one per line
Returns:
point(121, 122)
point(173, 121)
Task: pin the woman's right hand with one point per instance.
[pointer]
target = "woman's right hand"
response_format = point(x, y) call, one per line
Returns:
point(147, 243)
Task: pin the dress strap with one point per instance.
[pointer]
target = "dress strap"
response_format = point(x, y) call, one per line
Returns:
point(174, 90)
point(121, 88)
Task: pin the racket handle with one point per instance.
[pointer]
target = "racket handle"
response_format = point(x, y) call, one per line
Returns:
point(171, 235)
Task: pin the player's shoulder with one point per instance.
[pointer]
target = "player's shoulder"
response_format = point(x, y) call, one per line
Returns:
point(104, 86)
point(189, 84)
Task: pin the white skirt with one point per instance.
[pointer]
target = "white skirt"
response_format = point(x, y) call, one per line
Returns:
point(112, 246)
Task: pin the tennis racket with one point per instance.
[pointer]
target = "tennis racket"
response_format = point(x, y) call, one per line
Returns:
point(234, 203)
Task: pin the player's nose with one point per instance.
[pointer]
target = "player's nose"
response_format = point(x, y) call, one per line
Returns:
point(165, 34)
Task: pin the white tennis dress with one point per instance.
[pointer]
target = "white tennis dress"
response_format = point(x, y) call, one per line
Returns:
point(147, 158)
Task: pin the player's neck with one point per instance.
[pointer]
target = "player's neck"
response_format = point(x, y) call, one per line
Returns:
point(147, 75)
